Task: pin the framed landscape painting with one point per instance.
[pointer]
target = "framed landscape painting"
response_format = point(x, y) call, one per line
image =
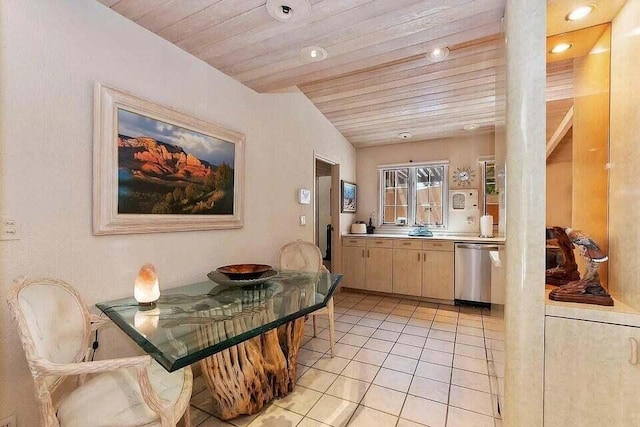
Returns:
point(349, 197)
point(159, 170)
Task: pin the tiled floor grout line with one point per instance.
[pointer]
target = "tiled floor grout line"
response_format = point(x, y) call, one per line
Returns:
point(388, 354)
point(413, 375)
point(363, 314)
point(380, 368)
point(446, 418)
point(337, 377)
point(481, 316)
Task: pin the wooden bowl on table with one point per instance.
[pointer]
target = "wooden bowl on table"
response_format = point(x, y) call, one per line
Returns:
point(244, 271)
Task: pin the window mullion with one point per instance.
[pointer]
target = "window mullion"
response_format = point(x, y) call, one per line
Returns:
point(412, 196)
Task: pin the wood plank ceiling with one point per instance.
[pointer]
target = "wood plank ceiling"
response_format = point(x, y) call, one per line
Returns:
point(376, 81)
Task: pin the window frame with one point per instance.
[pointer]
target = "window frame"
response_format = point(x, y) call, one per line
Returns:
point(412, 194)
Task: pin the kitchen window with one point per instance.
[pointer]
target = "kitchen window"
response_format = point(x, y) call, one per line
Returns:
point(414, 194)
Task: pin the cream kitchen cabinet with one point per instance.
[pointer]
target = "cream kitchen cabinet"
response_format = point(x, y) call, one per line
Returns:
point(353, 263)
point(378, 269)
point(412, 267)
point(437, 270)
point(367, 264)
point(423, 268)
point(437, 275)
point(592, 374)
point(407, 267)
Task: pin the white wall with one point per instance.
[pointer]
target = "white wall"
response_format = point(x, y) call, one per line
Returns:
point(459, 151)
point(52, 53)
point(624, 152)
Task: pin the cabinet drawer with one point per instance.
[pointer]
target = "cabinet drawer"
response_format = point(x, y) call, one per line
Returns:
point(407, 244)
point(438, 246)
point(380, 243)
point(350, 241)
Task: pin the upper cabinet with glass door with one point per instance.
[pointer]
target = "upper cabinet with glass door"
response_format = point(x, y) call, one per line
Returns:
point(491, 203)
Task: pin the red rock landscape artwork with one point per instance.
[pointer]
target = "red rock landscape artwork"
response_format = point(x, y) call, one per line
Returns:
point(168, 169)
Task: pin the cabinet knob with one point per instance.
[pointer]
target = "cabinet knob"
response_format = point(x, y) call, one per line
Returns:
point(368, 253)
point(406, 243)
point(634, 351)
point(363, 253)
point(418, 256)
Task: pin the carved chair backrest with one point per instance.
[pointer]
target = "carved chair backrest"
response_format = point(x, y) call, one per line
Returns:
point(301, 256)
point(53, 324)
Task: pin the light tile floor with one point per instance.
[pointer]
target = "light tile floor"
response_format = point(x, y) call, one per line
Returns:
point(398, 363)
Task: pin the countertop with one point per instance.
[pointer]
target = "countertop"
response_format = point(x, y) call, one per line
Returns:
point(451, 237)
point(619, 314)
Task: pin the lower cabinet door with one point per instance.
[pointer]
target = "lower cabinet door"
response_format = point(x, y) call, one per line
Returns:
point(379, 268)
point(592, 374)
point(353, 265)
point(437, 275)
point(407, 272)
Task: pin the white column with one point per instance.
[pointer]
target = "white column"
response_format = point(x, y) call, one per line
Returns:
point(525, 161)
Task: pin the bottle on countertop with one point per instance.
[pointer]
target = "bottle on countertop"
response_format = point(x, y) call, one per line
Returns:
point(370, 227)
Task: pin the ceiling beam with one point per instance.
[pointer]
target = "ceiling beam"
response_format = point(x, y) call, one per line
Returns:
point(560, 132)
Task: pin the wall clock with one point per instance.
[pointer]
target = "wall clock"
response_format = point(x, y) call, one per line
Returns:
point(463, 176)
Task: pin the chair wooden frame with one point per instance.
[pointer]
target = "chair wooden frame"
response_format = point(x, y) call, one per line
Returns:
point(329, 309)
point(41, 368)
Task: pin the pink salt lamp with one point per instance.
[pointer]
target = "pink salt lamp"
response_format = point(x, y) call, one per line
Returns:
point(146, 289)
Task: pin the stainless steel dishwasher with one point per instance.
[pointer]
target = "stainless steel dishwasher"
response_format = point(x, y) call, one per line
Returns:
point(473, 272)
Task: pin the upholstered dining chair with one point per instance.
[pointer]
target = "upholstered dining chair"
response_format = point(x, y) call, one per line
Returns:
point(55, 328)
point(305, 256)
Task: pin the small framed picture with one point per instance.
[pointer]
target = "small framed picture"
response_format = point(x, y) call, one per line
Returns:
point(304, 196)
point(349, 197)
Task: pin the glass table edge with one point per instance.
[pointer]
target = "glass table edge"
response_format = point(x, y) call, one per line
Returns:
point(192, 358)
point(132, 333)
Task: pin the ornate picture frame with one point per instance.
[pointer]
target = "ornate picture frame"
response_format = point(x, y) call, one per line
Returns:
point(159, 170)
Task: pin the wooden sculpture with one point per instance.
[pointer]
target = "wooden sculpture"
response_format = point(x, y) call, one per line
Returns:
point(587, 290)
point(568, 270)
point(244, 378)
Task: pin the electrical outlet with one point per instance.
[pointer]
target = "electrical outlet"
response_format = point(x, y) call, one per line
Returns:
point(9, 422)
point(303, 221)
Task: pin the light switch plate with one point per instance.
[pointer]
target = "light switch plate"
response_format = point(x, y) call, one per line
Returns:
point(9, 230)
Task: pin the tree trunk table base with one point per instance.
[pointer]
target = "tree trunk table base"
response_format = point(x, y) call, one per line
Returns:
point(243, 378)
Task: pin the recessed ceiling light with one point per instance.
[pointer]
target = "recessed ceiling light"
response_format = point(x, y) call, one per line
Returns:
point(404, 135)
point(472, 126)
point(288, 10)
point(580, 12)
point(561, 47)
point(438, 54)
point(313, 53)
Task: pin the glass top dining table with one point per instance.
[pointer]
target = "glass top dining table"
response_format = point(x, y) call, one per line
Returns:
point(191, 322)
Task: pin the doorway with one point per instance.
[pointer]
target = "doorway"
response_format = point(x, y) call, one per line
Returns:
point(324, 212)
